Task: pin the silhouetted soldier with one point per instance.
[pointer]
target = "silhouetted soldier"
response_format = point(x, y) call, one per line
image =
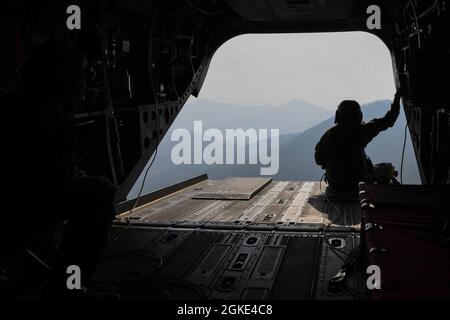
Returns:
point(47, 185)
point(341, 153)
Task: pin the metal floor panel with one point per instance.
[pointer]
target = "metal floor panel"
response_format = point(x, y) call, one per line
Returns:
point(165, 263)
point(279, 205)
point(233, 189)
point(273, 245)
point(332, 259)
point(297, 274)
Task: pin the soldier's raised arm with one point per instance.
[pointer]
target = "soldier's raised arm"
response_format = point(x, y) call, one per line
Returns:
point(375, 126)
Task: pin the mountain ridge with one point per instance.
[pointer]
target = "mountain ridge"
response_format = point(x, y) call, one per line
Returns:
point(296, 149)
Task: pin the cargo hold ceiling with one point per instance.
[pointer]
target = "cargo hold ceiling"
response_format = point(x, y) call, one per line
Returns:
point(298, 10)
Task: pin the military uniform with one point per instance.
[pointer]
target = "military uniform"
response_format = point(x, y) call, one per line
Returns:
point(341, 153)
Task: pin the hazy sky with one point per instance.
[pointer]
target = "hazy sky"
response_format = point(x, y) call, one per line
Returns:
point(320, 68)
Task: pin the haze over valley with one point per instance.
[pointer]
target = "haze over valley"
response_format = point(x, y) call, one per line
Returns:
point(300, 126)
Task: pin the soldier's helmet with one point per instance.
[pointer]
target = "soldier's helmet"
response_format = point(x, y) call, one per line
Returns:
point(349, 113)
